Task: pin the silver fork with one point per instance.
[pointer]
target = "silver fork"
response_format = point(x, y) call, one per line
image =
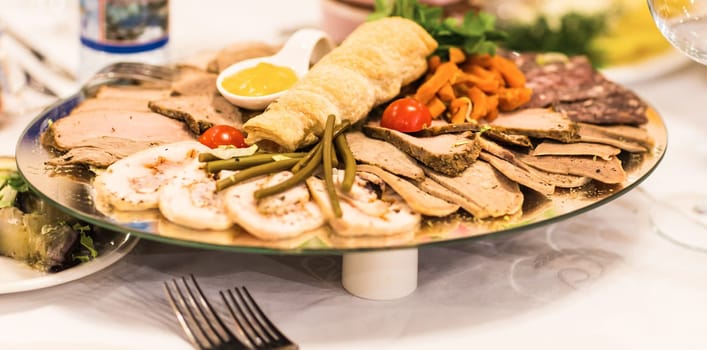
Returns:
point(202, 325)
point(253, 323)
point(135, 71)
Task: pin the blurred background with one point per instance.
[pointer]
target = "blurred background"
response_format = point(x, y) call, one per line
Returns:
point(41, 55)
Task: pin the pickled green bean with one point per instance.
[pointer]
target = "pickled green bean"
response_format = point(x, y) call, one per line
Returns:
point(327, 150)
point(305, 172)
point(349, 162)
point(254, 171)
point(239, 163)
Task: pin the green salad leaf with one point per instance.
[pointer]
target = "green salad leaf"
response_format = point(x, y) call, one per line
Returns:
point(573, 35)
point(476, 33)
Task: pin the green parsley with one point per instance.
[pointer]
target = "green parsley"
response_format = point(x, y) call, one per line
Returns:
point(86, 242)
point(475, 33)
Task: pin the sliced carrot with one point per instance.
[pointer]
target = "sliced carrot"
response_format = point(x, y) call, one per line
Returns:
point(433, 62)
point(444, 73)
point(436, 107)
point(478, 100)
point(456, 55)
point(489, 86)
point(509, 71)
point(446, 93)
point(483, 60)
point(492, 104)
point(512, 98)
point(461, 109)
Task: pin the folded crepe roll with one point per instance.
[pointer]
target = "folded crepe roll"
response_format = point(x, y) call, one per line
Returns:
point(368, 68)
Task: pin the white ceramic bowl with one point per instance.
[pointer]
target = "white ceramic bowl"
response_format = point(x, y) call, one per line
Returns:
point(304, 47)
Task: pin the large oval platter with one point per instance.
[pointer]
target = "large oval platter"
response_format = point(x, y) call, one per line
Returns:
point(73, 192)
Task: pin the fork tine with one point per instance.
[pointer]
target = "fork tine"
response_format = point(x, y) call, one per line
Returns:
point(186, 326)
point(201, 323)
point(261, 318)
point(268, 335)
point(242, 323)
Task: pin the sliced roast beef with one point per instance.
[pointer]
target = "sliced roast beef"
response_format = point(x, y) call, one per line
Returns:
point(83, 129)
point(192, 81)
point(537, 122)
point(508, 139)
point(419, 200)
point(481, 184)
point(628, 133)
point(133, 92)
point(519, 174)
point(384, 155)
point(562, 180)
point(548, 148)
point(543, 178)
point(129, 104)
point(436, 189)
point(100, 152)
point(238, 52)
point(606, 171)
point(199, 112)
point(603, 135)
point(448, 153)
point(440, 127)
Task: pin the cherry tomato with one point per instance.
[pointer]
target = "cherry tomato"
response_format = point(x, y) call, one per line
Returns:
point(218, 135)
point(406, 115)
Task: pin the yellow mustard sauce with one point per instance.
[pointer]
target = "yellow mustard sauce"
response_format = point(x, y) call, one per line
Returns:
point(263, 79)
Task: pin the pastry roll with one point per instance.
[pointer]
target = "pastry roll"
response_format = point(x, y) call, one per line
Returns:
point(368, 68)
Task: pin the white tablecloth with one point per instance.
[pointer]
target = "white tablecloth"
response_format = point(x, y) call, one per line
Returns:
point(602, 280)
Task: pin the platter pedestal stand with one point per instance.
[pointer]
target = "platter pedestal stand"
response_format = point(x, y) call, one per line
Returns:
point(380, 275)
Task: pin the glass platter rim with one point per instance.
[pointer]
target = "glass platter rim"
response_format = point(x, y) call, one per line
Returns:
point(43, 117)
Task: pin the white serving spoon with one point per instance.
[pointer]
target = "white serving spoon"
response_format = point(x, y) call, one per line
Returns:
point(304, 47)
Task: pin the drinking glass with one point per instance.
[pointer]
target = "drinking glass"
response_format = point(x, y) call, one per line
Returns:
point(684, 23)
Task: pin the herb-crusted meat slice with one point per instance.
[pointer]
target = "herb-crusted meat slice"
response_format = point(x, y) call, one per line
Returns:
point(199, 112)
point(449, 154)
point(384, 155)
point(537, 122)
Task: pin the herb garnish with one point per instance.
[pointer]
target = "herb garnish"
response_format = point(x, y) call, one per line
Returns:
point(572, 37)
point(86, 242)
point(475, 34)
